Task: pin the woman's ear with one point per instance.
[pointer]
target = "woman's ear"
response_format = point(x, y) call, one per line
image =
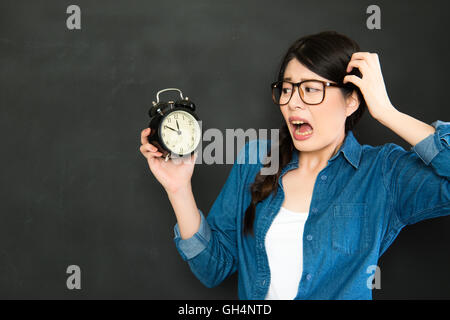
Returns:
point(352, 102)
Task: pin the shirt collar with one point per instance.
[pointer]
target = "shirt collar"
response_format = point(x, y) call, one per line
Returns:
point(351, 149)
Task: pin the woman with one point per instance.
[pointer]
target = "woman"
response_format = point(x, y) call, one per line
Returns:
point(316, 228)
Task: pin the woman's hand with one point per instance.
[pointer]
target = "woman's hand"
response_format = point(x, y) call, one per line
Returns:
point(374, 91)
point(173, 175)
point(371, 84)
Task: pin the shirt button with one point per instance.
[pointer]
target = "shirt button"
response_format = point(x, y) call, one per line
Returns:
point(324, 177)
point(314, 209)
point(309, 237)
point(308, 277)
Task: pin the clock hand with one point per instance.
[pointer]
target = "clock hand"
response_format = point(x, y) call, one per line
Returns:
point(178, 127)
point(170, 128)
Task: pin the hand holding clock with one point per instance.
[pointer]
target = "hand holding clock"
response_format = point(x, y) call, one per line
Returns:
point(173, 175)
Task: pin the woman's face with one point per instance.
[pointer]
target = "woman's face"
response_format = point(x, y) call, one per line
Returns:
point(326, 119)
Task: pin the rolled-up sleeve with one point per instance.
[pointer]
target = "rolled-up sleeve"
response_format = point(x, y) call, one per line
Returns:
point(434, 149)
point(191, 247)
point(418, 180)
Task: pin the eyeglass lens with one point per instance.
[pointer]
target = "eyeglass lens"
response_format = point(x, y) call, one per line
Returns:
point(311, 92)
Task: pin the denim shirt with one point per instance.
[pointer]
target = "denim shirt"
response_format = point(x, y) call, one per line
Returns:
point(361, 200)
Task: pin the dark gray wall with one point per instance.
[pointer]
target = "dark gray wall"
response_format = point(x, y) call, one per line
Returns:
point(76, 190)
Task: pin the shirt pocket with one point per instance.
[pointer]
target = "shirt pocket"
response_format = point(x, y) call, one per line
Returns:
point(350, 230)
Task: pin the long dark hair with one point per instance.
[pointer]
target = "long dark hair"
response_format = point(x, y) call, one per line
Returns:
point(326, 54)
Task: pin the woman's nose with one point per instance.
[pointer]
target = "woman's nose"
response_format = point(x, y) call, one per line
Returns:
point(296, 101)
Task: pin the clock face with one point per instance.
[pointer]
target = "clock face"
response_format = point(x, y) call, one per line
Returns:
point(180, 132)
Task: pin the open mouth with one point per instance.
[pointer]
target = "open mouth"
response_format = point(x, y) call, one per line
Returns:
point(301, 127)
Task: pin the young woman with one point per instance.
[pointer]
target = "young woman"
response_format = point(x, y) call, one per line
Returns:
point(316, 228)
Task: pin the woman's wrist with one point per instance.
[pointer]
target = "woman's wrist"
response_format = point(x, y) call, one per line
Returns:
point(386, 114)
point(408, 128)
point(181, 190)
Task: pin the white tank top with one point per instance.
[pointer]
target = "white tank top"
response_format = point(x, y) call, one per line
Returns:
point(284, 246)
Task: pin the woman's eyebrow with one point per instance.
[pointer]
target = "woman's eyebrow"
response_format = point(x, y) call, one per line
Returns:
point(301, 79)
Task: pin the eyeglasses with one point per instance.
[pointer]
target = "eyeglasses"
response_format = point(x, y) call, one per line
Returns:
point(311, 91)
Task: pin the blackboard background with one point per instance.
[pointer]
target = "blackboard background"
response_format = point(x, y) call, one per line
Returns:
point(74, 187)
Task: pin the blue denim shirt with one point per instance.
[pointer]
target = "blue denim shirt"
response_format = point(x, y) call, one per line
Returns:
point(361, 200)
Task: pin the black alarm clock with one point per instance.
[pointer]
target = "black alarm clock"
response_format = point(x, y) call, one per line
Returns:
point(175, 127)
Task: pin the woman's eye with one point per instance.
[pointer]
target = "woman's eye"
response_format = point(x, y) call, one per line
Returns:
point(285, 90)
point(308, 89)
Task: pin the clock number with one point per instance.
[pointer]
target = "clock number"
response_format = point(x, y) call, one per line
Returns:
point(175, 116)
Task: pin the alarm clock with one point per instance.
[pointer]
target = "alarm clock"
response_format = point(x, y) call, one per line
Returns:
point(175, 128)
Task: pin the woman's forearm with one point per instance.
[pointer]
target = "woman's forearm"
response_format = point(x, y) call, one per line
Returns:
point(410, 129)
point(186, 211)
